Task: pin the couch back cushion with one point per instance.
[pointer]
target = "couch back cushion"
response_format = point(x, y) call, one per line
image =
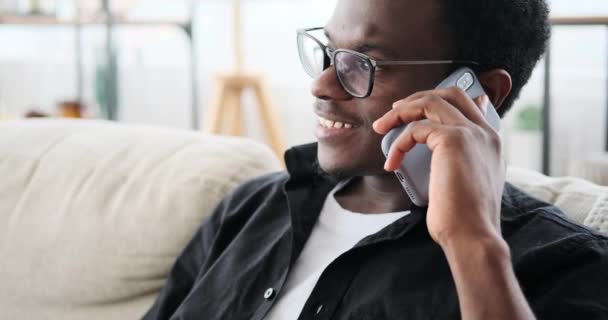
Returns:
point(93, 214)
point(583, 201)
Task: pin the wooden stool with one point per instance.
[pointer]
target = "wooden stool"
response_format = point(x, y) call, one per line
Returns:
point(225, 108)
point(225, 114)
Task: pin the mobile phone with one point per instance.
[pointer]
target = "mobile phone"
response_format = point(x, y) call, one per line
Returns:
point(414, 172)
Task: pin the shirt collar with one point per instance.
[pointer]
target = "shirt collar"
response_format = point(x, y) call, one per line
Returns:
point(307, 182)
point(301, 162)
point(306, 178)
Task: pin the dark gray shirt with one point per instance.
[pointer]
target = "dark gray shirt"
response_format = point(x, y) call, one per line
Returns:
point(237, 263)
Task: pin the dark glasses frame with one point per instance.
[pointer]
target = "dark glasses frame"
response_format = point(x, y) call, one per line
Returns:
point(329, 59)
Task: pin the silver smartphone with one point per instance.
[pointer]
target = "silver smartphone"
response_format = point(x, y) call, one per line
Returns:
point(414, 172)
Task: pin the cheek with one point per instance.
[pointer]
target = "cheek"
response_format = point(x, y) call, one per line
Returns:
point(397, 85)
point(378, 104)
point(390, 89)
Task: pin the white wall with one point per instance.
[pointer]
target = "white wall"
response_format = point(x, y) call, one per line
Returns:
point(37, 70)
point(579, 67)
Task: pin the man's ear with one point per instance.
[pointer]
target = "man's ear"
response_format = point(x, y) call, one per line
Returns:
point(497, 84)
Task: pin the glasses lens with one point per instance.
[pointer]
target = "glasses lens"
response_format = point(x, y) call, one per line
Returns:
point(354, 73)
point(312, 55)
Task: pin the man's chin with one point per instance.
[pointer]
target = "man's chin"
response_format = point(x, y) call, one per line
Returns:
point(343, 162)
point(332, 170)
point(337, 170)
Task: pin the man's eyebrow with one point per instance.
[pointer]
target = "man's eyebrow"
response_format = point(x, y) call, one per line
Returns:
point(367, 47)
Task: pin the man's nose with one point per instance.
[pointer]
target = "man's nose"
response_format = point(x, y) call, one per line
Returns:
point(327, 86)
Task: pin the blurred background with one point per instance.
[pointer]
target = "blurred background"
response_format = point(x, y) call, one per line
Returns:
point(158, 64)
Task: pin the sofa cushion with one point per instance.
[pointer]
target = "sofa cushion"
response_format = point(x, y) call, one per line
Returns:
point(581, 200)
point(93, 214)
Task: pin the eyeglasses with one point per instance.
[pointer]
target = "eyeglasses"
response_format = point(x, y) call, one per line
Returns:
point(355, 71)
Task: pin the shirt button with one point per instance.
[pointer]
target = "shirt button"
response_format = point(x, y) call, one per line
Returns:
point(319, 309)
point(269, 294)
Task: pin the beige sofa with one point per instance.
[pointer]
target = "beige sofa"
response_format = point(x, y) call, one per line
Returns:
point(93, 214)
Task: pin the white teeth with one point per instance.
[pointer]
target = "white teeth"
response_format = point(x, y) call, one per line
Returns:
point(334, 124)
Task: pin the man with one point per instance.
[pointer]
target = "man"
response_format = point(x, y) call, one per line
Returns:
point(336, 237)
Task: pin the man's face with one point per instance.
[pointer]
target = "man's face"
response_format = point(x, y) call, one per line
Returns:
point(384, 30)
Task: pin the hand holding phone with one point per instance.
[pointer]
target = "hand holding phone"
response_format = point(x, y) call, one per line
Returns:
point(414, 172)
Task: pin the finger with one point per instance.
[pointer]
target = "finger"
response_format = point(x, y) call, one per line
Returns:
point(413, 96)
point(480, 102)
point(429, 106)
point(483, 103)
point(461, 100)
point(418, 132)
point(474, 111)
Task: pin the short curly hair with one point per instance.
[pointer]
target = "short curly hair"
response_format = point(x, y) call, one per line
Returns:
point(506, 34)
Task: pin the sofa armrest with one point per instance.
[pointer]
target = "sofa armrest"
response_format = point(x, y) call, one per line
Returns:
point(93, 213)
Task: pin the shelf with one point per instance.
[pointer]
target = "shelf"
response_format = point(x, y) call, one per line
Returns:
point(108, 21)
point(34, 20)
point(51, 20)
point(579, 21)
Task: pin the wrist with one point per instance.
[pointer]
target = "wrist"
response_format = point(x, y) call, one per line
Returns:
point(479, 227)
point(485, 280)
point(489, 249)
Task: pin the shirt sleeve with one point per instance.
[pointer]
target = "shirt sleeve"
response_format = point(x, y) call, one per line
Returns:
point(187, 267)
point(576, 285)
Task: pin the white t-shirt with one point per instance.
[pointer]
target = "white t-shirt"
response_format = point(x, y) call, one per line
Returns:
point(336, 231)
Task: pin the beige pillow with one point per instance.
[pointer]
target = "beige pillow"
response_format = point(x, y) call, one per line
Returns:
point(581, 200)
point(93, 214)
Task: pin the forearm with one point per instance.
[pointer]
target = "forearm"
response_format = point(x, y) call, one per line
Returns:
point(485, 281)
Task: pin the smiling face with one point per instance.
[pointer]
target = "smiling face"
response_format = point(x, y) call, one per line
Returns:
point(384, 30)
